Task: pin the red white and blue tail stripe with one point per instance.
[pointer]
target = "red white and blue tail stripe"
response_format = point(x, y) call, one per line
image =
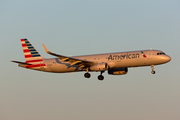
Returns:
point(31, 55)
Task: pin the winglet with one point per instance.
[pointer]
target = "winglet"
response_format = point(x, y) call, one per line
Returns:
point(47, 51)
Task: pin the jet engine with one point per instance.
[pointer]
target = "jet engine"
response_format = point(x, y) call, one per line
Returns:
point(118, 71)
point(99, 67)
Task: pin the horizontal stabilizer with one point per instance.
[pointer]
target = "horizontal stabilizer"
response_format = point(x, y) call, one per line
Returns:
point(23, 63)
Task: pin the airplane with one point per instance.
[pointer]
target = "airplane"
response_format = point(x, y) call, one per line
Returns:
point(114, 63)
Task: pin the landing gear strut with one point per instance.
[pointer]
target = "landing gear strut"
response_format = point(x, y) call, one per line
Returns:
point(152, 67)
point(101, 77)
point(87, 75)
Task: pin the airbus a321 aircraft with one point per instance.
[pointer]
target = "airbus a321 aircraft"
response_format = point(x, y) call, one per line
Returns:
point(115, 63)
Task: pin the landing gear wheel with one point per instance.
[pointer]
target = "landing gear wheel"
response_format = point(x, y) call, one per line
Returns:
point(152, 67)
point(153, 72)
point(100, 77)
point(87, 75)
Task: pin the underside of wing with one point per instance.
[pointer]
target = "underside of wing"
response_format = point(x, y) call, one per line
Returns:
point(73, 61)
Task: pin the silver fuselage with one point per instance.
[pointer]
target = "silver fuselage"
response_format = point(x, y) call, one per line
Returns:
point(114, 60)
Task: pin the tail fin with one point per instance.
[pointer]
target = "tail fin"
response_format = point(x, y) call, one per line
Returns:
point(30, 53)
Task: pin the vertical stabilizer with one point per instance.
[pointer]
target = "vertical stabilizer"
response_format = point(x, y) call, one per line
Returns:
point(30, 53)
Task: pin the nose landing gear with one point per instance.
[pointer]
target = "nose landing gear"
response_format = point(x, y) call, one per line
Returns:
point(152, 67)
point(153, 72)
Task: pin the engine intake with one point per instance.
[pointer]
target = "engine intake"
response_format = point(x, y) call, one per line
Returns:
point(118, 71)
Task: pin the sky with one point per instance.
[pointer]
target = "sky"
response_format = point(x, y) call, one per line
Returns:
point(80, 27)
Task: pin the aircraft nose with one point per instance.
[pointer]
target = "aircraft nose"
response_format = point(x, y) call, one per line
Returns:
point(166, 58)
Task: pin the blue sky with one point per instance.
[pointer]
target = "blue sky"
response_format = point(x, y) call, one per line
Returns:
point(88, 27)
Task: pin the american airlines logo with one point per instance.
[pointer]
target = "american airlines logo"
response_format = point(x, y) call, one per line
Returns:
point(125, 56)
point(143, 54)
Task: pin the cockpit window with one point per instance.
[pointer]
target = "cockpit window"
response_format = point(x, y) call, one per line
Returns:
point(161, 53)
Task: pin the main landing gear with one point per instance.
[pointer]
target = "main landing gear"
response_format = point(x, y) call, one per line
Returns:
point(100, 77)
point(152, 67)
point(87, 75)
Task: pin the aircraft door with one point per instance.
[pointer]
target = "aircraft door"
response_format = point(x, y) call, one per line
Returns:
point(149, 56)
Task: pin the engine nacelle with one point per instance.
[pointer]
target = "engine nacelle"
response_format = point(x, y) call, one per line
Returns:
point(99, 67)
point(118, 71)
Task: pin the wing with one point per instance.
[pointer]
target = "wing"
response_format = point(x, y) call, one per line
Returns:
point(73, 61)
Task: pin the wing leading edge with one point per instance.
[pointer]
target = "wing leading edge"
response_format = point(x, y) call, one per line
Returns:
point(73, 61)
